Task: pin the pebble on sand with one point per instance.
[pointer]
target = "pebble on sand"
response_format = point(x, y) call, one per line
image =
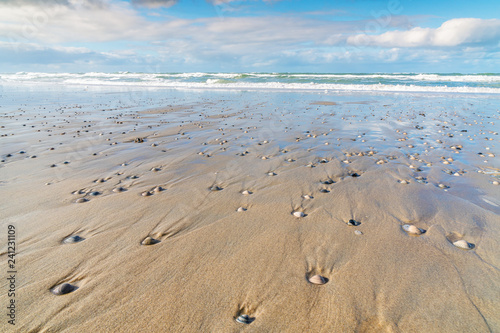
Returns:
point(317, 279)
point(119, 189)
point(298, 214)
point(62, 289)
point(463, 244)
point(246, 192)
point(146, 193)
point(81, 200)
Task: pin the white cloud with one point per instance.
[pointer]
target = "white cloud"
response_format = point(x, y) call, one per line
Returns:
point(455, 32)
point(155, 3)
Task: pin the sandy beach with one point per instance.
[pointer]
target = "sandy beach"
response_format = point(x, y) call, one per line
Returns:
point(258, 211)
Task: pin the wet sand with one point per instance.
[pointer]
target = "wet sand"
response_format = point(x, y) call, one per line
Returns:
point(255, 211)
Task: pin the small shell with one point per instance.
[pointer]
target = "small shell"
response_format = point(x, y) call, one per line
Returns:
point(149, 241)
point(80, 200)
point(146, 194)
point(317, 279)
point(411, 229)
point(299, 214)
point(63, 289)
point(119, 189)
point(158, 189)
point(358, 232)
point(72, 239)
point(244, 319)
point(324, 190)
point(327, 182)
point(271, 174)
point(463, 244)
point(246, 192)
point(241, 209)
point(215, 188)
point(307, 196)
point(353, 223)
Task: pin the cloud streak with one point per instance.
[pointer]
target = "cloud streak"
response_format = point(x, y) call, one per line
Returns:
point(452, 33)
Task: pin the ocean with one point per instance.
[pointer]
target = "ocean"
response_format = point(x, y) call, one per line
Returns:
point(484, 83)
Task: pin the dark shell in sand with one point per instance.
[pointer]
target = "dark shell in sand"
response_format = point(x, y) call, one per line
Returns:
point(245, 319)
point(353, 223)
point(63, 289)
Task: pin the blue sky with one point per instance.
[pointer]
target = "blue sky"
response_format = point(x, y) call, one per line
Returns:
point(249, 36)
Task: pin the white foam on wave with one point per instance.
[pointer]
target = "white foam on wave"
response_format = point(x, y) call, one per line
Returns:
point(271, 81)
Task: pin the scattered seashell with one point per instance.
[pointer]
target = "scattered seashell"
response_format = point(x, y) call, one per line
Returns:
point(241, 209)
point(354, 174)
point(299, 214)
point(290, 160)
point(327, 181)
point(81, 200)
point(353, 223)
point(358, 232)
point(307, 196)
point(246, 192)
point(271, 174)
point(324, 190)
point(402, 181)
point(317, 279)
point(215, 188)
point(63, 289)
point(119, 189)
point(155, 169)
point(149, 241)
point(244, 319)
point(72, 239)
point(264, 157)
point(146, 194)
point(463, 244)
point(95, 193)
point(495, 182)
point(413, 230)
point(158, 189)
